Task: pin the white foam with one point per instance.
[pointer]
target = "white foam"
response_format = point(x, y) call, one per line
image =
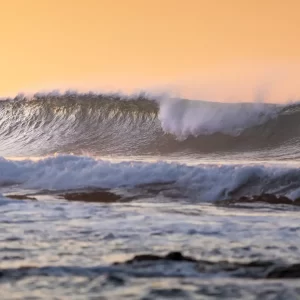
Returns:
point(201, 182)
point(183, 118)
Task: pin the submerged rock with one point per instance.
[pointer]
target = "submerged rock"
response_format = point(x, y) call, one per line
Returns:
point(20, 197)
point(201, 265)
point(102, 196)
point(264, 198)
point(292, 271)
point(269, 198)
point(172, 256)
point(174, 264)
point(252, 269)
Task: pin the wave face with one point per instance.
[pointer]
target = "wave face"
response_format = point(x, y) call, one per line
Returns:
point(98, 124)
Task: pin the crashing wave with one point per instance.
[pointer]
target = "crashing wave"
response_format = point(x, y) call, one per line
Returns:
point(103, 124)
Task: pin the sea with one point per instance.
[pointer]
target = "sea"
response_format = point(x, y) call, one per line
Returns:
point(174, 167)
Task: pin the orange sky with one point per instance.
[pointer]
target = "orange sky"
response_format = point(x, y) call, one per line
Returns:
point(197, 48)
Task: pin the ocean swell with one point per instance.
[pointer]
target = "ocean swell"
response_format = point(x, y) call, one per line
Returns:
point(102, 124)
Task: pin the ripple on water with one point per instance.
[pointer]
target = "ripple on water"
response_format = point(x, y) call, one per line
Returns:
point(69, 248)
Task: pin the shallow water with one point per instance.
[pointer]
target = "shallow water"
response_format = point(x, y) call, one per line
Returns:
point(70, 248)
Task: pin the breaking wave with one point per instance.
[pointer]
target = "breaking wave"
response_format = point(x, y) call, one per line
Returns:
point(202, 182)
point(105, 124)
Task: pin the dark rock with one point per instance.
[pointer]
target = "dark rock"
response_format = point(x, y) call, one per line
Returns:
point(264, 198)
point(92, 196)
point(172, 256)
point(244, 199)
point(144, 257)
point(272, 199)
point(177, 256)
point(20, 197)
point(252, 269)
point(292, 271)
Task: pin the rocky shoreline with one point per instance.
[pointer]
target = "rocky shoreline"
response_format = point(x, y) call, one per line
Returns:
point(253, 269)
point(108, 196)
point(173, 264)
point(263, 198)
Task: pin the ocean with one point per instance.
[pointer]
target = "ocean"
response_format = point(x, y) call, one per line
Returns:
point(106, 196)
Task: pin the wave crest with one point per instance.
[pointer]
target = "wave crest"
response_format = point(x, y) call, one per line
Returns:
point(103, 124)
point(184, 118)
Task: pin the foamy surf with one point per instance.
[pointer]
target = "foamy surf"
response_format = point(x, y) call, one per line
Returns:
point(200, 183)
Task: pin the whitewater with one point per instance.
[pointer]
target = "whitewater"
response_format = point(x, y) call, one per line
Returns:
point(178, 172)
